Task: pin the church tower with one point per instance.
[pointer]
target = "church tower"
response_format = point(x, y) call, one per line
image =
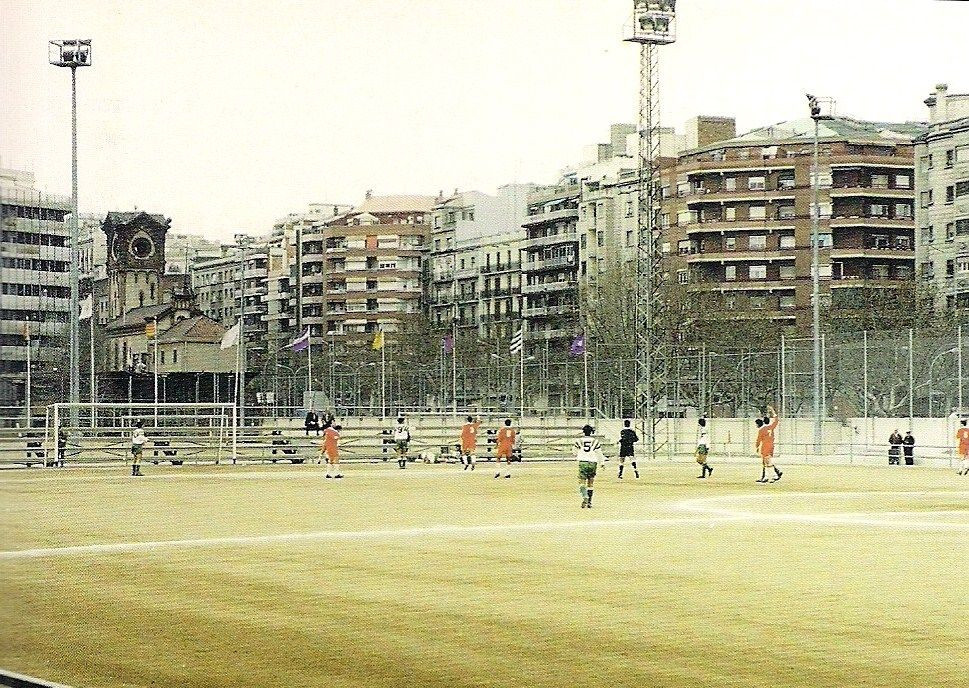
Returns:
point(136, 260)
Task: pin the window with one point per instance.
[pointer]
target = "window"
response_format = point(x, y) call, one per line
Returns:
point(163, 357)
point(880, 272)
point(878, 210)
point(757, 242)
point(756, 183)
point(730, 213)
point(950, 194)
point(962, 226)
point(824, 240)
point(685, 217)
point(962, 188)
point(787, 241)
point(685, 247)
point(950, 157)
point(730, 303)
point(928, 234)
point(664, 220)
point(629, 237)
point(629, 208)
point(786, 301)
point(950, 231)
point(174, 355)
point(787, 271)
point(926, 162)
point(730, 243)
point(682, 277)
point(757, 212)
point(879, 181)
point(903, 210)
point(824, 180)
point(823, 208)
point(927, 269)
point(925, 198)
point(903, 181)
point(785, 182)
point(758, 302)
point(730, 184)
point(730, 273)
point(682, 188)
point(785, 212)
point(666, 247)
point(962, 154)
point(758, 272)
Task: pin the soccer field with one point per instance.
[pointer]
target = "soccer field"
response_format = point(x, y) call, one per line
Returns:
point(256, 576)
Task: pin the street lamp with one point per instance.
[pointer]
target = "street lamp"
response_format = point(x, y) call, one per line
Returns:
point(815, 106)
point(73, 53)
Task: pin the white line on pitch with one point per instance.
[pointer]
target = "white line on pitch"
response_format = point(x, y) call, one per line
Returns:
point(247, 540)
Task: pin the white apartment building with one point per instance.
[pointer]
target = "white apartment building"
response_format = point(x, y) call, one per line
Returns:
point(474, 270)
point(34, 285)
point(942, 191)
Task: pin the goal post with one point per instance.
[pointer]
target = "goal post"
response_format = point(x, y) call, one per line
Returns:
point(177, 433)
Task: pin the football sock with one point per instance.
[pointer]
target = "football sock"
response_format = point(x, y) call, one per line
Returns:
point(589, 496)
point(620, 470)
point(763, 473)
point(777, 471)
point(582, 492)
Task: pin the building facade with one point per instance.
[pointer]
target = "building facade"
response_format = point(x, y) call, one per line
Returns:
point(744, 209)
point(34, 288)
point(942, 212)
point(361, 271)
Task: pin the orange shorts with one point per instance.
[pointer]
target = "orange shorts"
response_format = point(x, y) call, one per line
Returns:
point(503, 453)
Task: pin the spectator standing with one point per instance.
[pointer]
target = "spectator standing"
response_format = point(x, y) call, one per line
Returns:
point(895, 448)
point(908, 446)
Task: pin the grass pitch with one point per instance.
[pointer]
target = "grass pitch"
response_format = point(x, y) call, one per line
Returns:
point(232, 576)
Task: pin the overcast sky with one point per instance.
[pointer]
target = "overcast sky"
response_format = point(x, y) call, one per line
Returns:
point(227, 114)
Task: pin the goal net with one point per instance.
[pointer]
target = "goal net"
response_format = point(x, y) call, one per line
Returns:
point(177, 433)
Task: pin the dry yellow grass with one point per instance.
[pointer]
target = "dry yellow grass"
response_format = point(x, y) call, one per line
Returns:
point(643, 590)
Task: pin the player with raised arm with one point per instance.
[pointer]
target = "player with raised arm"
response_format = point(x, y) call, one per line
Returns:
point(703, 448)
point(138, 440)
point(505, 447)
point(627, 438)
point(764, 444)
point(962, 443)
point(588, 452)
point(330, 450)
point(401, 441)
point(469, 442)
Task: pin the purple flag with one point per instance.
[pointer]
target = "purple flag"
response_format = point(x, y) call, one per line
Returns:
point(302, 342)
point(448, 344)
point(578, 346)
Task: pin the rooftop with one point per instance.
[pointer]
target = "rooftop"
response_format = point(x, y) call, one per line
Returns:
point(836, 128)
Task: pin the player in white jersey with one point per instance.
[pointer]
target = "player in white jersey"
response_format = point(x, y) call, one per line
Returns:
point(703, 448)
point(401, 441)
point(588, 452)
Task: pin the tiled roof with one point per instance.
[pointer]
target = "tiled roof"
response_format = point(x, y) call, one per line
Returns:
point(139, 316)
point(835, 128)
point(198, 328)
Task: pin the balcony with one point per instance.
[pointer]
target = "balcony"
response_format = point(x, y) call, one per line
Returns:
point(887, 161)
point(849, 281)
point(545, 311)
point(553, 216)
point(871, 221)
point(542, 335)
point(552, 240)
point(497, 293)
point(745, 285)
point(466, 273)
point(740, 195)
point(496, 269)
point(550, 264)
point(889, 253)
point(718, 226)
point(745, 256)
point(546, 287)
point(738, 165)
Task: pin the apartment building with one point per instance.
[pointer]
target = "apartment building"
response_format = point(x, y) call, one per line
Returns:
point(942, 212)
point(34, 286)
point(474, 265)
point(550, 262)
point(745, 206)
point(361, 271)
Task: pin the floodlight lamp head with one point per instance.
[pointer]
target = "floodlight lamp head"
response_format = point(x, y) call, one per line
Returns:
point(73, 52)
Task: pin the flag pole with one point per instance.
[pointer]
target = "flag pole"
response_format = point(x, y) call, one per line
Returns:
point(91, 342)
point(454, 368)
point(521, 381)
point(585, 375)
point(309, 363)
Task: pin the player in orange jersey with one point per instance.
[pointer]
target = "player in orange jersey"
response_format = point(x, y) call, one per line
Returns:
point(766, 429)
point(330, 449)
point(469, 442)
point(962, 442)
point(506, 443)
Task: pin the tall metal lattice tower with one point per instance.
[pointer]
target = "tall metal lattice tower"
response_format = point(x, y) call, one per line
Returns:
point(653, 27)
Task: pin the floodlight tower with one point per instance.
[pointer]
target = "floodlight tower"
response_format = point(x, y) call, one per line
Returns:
point(653, 26)
point(73, 53)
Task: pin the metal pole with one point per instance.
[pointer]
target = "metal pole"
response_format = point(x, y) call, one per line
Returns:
point(521, 382)
point(91, 352)
point(155, 380)
point(383, 378)
point(911, 380)
point(816, 288)
point(454, 365)
point(73, 320)
point(824, 376)
point(959, 366)
point(27, 391)
point(783, 377)
point(241, 346)
point(864, 360)
point(309, 364)
point(585, 375)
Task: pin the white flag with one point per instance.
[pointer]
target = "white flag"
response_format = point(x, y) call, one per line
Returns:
point(516, 341)
point(231, 337)
point(87, 307)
